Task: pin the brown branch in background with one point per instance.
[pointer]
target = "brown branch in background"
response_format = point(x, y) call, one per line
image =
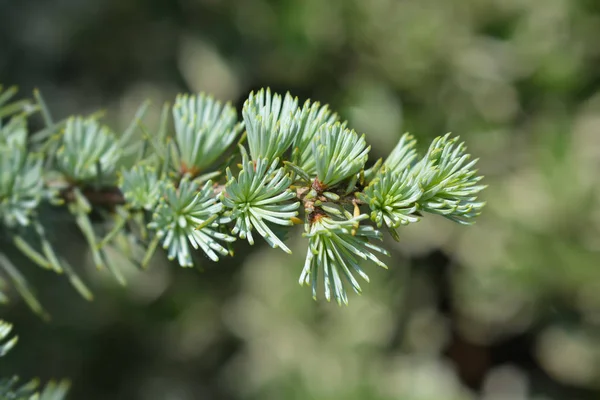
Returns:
point(105, 197)
point(110, 197)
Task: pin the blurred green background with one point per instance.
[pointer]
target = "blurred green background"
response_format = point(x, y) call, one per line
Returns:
point(508, 309)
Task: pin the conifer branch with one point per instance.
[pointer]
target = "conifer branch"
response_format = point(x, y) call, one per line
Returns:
point(186, 186)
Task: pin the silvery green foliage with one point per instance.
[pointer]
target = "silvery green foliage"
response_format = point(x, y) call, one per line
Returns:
point(272, 123)
point(204, 129)
point(312, 118)
point(339, 153)
point(188, 215)
point(336, 246)
point(403, 155)
point(260, 194)
point(10, 389)
point(141, 187)
point(21, 183)
point(88, 151)
point(450, 184)
point(297, 158)
point(392, 198)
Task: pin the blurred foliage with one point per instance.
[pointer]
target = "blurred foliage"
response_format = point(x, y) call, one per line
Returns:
point(506, 309)
point(11, 389)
